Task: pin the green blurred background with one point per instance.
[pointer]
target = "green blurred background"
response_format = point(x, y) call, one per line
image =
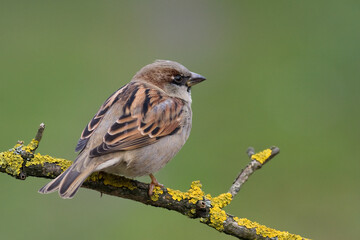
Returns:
point(282, 73)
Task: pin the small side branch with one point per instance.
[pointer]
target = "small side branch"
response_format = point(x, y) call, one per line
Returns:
point(194, 203)
point(40, 132)
point(257, 161)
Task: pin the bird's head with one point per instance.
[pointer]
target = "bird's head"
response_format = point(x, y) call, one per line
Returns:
point(172, 77)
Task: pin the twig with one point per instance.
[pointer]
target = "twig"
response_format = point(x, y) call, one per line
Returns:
point(40, 132)
point(194, 203)
point(257, 161)
point(27, 153)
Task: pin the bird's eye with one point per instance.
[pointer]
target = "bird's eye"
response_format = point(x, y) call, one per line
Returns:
point(178, 79)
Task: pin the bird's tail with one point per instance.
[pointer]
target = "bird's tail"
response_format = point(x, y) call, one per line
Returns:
point(69, 182)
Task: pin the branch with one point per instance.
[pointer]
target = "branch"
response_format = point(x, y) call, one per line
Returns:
point(20, 162)
point(257, 161)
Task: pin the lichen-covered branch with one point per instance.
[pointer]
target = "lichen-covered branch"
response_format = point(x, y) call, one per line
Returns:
point(21, 161)
point(257, 161)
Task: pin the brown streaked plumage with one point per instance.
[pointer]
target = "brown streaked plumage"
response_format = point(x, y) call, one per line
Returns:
point(137, 130)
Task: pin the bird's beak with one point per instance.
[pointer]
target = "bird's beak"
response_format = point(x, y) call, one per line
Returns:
point(195, 79)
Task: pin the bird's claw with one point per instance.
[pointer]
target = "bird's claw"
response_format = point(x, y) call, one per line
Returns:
point(152, 185)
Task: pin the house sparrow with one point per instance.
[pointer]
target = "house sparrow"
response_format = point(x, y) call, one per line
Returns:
point(137, 130)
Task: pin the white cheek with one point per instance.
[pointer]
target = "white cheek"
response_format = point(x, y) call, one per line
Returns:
point(179, 92)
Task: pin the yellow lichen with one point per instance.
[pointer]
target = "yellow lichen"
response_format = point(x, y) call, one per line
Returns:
point(217, 215)
point(265, 231)
point(19, 144)
point(222, 200)
point(30, 148)
point(208, 196)
point(176, 194)
point(261, 157)
point(112, 180)
point(156, 193)
point(217, 218)
point(94, 177)
point(39, 159)
point(193, 195)
point(11, 162)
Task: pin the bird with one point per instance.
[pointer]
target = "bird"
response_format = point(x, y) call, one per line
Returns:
point(137, 130)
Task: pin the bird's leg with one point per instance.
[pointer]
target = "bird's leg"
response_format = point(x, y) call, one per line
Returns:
point(153, 183)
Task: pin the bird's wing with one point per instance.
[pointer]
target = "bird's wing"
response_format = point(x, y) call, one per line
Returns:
point(95, 121)
point(148, 115)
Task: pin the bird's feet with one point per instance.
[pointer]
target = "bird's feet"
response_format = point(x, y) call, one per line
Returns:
point(152, 185)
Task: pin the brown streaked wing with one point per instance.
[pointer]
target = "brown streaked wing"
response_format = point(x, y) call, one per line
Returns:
point(150, 116)
point(95, 121)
